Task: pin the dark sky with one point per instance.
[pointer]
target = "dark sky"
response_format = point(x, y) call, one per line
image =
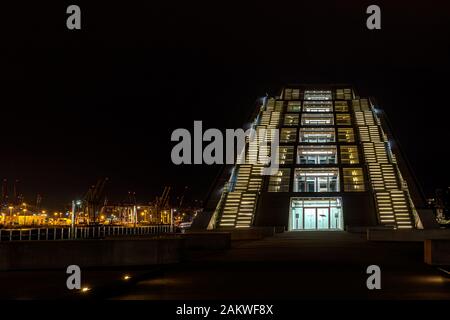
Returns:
point(103, 101)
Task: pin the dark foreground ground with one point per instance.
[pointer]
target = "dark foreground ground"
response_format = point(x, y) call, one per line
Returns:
point(301, 265)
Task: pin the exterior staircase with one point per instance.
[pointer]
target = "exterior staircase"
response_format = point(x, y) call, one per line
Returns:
point(240, 203)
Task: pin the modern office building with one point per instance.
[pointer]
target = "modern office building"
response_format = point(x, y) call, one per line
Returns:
point(339, 168)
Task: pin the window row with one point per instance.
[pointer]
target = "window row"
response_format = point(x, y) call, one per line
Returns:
point(317, 119)
point(296, 93)
point(317, 180)
point(318, 95)
point(318, 154)
point(317, 135)
point(317, 106)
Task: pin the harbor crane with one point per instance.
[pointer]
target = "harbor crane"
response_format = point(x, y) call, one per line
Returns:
point(92, 199)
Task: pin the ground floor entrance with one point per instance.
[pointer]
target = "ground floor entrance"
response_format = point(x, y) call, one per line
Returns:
point(316, 214)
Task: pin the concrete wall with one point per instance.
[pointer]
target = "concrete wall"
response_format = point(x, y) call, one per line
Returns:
point(359, 210)
point(206, 240)
point(437, 252)
point(273, 209)
point(86, 253)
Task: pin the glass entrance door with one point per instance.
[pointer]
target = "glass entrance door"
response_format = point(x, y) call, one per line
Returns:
point(316, 214)
point(297, 218)
point(310, 218)
point(323, 217)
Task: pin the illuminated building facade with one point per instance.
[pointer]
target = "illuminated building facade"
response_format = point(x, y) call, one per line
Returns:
point(339, 168)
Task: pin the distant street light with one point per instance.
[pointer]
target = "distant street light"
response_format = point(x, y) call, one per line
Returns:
point(10, 214)
point(72, 222)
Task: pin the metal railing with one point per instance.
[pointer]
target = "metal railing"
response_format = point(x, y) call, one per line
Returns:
point(94, 232)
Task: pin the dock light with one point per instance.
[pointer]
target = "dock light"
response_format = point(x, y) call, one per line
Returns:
point(126, 277)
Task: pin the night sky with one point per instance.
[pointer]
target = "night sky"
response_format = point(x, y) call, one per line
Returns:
point(103, 101)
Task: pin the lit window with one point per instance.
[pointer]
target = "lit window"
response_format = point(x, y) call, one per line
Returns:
point(344, 94)
point(345, 135)
point(353, 179)
point(285, 154)
point(318, 95)
point(279, 182)
point(343, 119)
point(316, 155)
point(316, 180)
point(317, 135)
point(291, 119)
point(287, 94)
point(349, 154)
point(291, 94)
point(319, 119)
point(318, 106)
point(341, 106)
point(288, 135)
point(294, 106)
